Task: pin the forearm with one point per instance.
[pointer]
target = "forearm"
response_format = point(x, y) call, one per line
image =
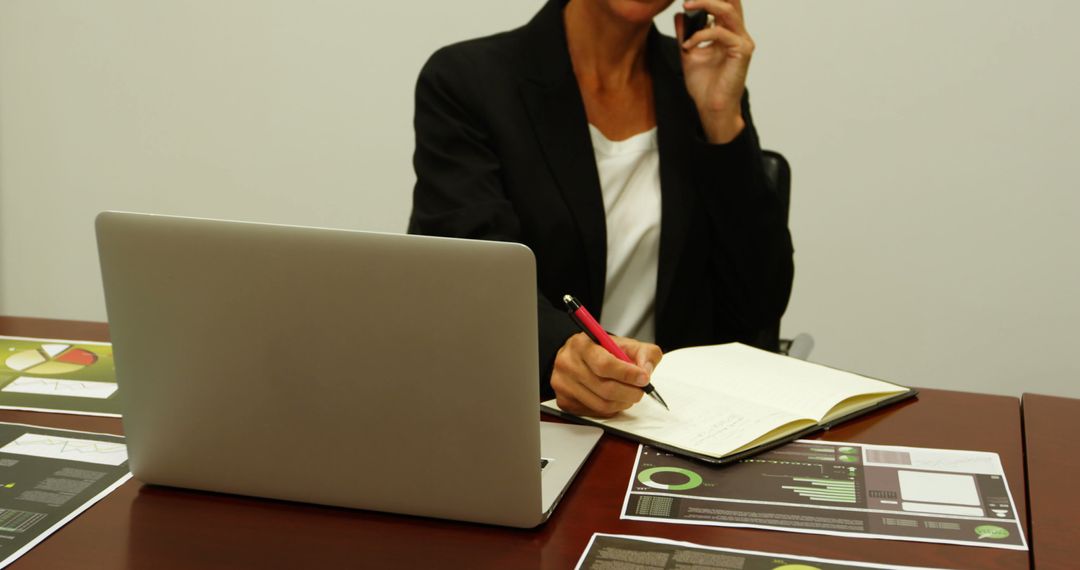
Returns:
point(752, 251)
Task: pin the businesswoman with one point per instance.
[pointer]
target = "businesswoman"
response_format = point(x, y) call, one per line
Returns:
point(630, 166)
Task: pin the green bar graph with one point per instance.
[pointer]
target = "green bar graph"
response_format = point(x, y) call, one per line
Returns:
point(828, 490)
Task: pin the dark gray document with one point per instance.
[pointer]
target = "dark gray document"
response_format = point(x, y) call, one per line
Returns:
point(843, 489)
point(618, 552)
point(50, 476)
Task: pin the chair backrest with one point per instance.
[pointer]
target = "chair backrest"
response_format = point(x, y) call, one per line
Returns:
point(778, 175)
point(778, 178)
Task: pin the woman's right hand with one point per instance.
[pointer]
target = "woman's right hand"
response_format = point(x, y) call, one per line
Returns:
point(590, 381)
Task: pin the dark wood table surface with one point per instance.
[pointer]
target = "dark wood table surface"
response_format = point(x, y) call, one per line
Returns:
point(140, 526)
point(1051, 426)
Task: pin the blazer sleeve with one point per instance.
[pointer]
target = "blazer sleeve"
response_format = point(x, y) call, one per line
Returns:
point(459, 189)
point(752, 250)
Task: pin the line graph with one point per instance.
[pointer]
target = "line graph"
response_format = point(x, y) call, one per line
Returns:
point(61, 387)
point(67, 448)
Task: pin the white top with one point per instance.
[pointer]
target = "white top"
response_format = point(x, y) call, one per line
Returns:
point(630, 182)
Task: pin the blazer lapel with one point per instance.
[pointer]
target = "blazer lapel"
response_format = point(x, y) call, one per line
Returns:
point(675, 120)
point(557, 112)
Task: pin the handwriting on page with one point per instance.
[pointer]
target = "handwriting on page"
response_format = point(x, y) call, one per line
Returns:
point(706, 423)
point(754, 375)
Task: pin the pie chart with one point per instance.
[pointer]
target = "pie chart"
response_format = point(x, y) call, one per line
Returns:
point(51, 359)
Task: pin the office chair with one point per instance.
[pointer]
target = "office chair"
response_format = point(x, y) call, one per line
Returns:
point(778, 178)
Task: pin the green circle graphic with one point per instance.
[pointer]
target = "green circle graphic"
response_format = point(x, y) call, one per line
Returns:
point(848, 458)
point(991, 531)
point(847, 450)
point(693, 479)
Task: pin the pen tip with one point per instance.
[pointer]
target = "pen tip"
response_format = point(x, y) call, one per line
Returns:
point(567, 298)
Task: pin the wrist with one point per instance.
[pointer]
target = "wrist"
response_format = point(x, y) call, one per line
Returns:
point(722, 127)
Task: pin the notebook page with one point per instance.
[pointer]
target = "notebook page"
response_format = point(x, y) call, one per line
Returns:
point(743, 373)
point(702, 419)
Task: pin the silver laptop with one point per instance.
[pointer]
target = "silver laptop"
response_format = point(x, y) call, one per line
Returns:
point(376, 371)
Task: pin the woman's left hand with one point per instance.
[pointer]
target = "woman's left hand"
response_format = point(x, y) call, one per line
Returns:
point(716, 73)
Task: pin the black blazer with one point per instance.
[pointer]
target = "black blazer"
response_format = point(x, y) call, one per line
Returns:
point(503, 153)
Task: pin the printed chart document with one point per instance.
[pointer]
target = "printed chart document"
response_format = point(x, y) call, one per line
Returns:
point(616, 552)
point(50, 476)
point(65, 376)
point(730, 401)
point(842, 489)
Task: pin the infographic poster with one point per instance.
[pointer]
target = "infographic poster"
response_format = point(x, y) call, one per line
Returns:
point(66, 376)
point(844, 489)
point(50, 476)
point(611, 551)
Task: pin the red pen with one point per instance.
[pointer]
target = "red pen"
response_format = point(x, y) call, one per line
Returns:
point(589, 326)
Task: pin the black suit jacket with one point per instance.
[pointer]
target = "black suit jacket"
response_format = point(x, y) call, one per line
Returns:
point(503, 153)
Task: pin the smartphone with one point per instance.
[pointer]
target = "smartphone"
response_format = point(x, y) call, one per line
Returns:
point(693, 22)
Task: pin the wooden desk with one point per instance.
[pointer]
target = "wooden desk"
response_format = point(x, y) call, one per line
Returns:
point(140, 526)
point(1051, 426)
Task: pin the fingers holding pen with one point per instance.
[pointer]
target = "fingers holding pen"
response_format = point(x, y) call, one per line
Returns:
point(589, 380)
point(645, 354)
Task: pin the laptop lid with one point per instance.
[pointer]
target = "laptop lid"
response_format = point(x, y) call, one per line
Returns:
point(377, 371)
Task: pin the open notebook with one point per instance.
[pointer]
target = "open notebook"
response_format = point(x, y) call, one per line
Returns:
point(730, 401)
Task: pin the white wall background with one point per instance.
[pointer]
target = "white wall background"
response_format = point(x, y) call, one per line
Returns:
point(935, 203)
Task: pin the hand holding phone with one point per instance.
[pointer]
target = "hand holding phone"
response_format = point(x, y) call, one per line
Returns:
point(715, 64)
point(693, 22)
